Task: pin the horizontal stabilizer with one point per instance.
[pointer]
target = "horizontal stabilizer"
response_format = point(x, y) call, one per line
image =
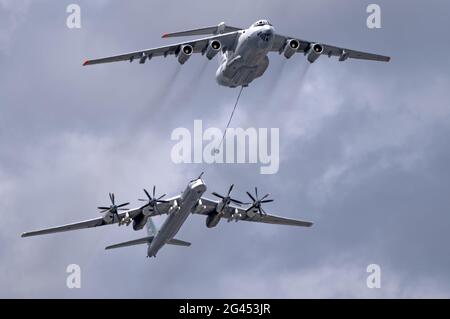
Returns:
point(147, 240)
point(178, 242)
point(140, 241)
point(218, 29)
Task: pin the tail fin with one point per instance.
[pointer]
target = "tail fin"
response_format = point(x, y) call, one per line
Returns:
point(218, 29)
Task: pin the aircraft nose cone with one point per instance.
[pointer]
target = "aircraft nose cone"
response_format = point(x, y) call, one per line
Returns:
point(268, 29)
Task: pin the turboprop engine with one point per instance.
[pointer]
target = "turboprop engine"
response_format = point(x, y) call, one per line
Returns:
point(139, 221)
point(213, 219)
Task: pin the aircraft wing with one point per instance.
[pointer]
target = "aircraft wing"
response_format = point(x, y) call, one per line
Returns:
point(162, 208)
point(280, 42)
point(233, 212)
point(81, 225)
point(228, 40)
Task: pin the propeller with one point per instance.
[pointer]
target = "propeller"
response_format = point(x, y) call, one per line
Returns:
point(113, 208)
point(227, 199)
point(152, 201)
point(199, 177)
point(257, 202)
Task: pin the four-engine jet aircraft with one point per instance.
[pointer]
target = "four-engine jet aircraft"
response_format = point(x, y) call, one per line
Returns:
point(178, 209)
point(242, 52)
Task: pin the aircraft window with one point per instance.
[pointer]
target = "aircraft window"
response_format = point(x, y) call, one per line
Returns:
point(261, 23)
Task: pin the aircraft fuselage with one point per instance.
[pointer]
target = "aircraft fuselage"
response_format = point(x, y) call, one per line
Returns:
point(178, 216)
point(249, 60)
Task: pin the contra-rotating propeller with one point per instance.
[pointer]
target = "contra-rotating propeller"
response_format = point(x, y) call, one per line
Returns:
point(227, 199)
point(152, 201)
point(113, 208)
point(257, 202)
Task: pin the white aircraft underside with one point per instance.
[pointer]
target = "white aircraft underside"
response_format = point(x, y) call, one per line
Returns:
point(243, 53)
point(178, 209)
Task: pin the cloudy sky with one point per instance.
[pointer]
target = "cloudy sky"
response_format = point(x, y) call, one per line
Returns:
point(363, 148)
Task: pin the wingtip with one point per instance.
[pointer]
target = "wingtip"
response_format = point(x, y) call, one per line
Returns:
point(307, 224)
point(85, 62)
point(23, 235)
point(165, 35)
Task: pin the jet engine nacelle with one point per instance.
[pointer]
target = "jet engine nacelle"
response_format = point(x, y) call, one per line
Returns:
point(213, 48)
point(212, 220)
point(185, 53)
point(139, 221)
point(291, 48)
point(314, 52)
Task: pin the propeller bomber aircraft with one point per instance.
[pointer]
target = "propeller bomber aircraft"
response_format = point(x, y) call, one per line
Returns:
point(178, 208)
point(242, 51)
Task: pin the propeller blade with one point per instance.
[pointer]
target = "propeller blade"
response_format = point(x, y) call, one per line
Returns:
point(111, 196)
point(264, 212)
point(154, 188)
point(250, 195)
point(265, 196)
point(256, 192)
point(267, 201)
point(249, 209)
point(106, 208)
point(231, 188)
point(217, 195)
point(148, 195)
point(161, 196)
point(146, 205)
point(122, 205)
point(236, 201)
point(162, 201)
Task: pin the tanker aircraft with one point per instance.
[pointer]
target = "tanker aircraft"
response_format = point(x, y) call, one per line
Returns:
point(243, 52)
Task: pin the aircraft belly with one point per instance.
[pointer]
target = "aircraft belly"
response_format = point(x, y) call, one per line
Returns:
point(247, 63)
point(239, 73)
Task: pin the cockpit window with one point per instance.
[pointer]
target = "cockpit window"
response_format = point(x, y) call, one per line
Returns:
point(261, 23)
